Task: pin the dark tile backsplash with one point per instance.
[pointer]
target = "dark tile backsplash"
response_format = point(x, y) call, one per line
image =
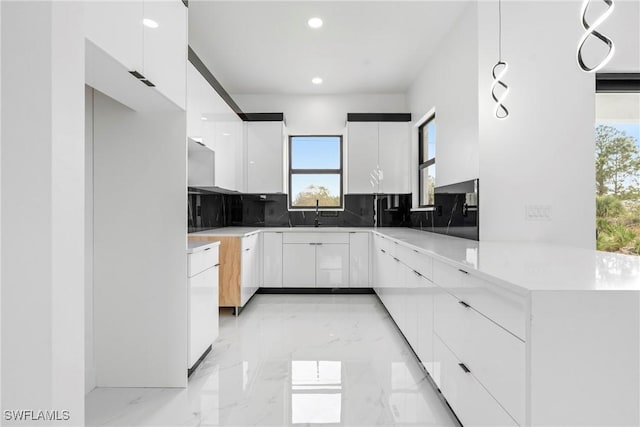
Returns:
point(453, 216)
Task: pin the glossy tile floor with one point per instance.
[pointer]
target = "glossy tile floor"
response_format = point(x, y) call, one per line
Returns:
point(291, 360)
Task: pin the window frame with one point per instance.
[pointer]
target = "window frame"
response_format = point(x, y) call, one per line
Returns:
point(423, 165)
point(339, 171)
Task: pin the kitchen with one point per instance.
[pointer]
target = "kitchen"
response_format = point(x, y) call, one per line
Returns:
point(276, 107)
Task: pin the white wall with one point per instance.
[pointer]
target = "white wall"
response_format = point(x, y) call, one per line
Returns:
point(623, 28)
point(543, 154)
point(140, 233)
point(320, 114)
point(89, 361)
point(42, 207)
point(449, 84)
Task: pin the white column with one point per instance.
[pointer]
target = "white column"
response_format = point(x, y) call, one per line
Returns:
point(42, 207)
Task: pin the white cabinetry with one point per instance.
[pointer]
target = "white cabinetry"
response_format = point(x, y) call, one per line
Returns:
point(315, 260)
point(165, 48)
point(394, 153)
point(272, 259)
point(116, 27)
point(332, 265)
point(159, 54)
point(299, 265)
point(471, 347)
point(212, 122)
point(203, 273)
point(378, 156)
point(265, 158)
point(362, 157)
point(359, 250)
point(250, 267)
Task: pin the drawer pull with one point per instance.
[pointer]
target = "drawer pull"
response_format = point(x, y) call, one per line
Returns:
point(417, 274)
point(207, 249)
point(217, 265)
point(383, 251)
point(462, 271)
point(248, 249)
point(464, 367)
point(318, 244)
point(464, 304)
point(397, 260)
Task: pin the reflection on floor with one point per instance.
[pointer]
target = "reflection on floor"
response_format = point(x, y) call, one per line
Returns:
point(288, 360)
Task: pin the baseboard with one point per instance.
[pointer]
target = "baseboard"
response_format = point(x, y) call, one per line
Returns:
point(312, 291)
point(195, 365)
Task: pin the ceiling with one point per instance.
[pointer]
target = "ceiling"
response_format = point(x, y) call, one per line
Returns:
point(266, 47)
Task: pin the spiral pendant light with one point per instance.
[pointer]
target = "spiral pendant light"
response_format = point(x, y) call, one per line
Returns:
point(590, 30)
point(499, 89)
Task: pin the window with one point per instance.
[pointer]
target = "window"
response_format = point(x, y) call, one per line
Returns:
point(617, 163)
point(427, 162)
point(315, 172)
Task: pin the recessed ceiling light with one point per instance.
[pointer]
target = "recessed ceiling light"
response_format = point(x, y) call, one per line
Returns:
point(316, 80)
point(203, 118)
point(315, 22)
point(226, 134)
point(150, 23)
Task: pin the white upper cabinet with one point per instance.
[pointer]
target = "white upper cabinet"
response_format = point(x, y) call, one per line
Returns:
point(116, 27)
point(165, 48)
point(378, 157)
point(362, 154)
point(159, 54)
point(395, 153)
point(265, 168)
point(212, 122)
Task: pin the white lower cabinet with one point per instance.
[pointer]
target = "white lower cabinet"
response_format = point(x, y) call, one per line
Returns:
point(250, 267)
point(473, 405)
point(272, 259)
point(315, 260)
point(298, 265)
point(203, 279)
point(332, 265)
point(359, 266)
point(495, 357)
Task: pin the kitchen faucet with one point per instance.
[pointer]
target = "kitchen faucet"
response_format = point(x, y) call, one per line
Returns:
point(316, 222)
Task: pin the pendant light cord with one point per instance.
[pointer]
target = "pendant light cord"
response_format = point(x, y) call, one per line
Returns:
point(500, 30)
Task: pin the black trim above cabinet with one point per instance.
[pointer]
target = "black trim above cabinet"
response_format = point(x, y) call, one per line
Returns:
point(378, 117)
point(215, 84)
point(262, 117)
point(617, 82)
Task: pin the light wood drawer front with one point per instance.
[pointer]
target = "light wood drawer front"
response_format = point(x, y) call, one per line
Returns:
point(473, 405)
point(503, 306)
point(495, 357)
point(302, 237)
point(199, 261)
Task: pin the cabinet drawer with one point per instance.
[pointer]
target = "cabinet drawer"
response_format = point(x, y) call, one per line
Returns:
point(315, 238)
point(473, 405)
point(417, 261)
point(201, 260)
point(495, 357)
point(503, 306)
point(249, 242)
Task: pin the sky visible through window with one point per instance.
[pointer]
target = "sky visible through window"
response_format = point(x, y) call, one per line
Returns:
point(315, 152)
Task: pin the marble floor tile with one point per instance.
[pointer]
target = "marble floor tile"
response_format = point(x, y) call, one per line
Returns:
point(291, 360)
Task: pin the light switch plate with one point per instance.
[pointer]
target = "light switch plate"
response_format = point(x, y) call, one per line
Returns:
point(537, 212)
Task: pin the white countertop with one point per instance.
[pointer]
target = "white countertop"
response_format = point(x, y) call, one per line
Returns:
point(197, 246)
point(519, 265)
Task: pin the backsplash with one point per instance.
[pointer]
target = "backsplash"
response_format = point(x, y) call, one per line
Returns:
point(455, 214)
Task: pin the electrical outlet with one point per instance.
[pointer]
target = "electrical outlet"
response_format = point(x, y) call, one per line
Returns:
point(537, 212)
